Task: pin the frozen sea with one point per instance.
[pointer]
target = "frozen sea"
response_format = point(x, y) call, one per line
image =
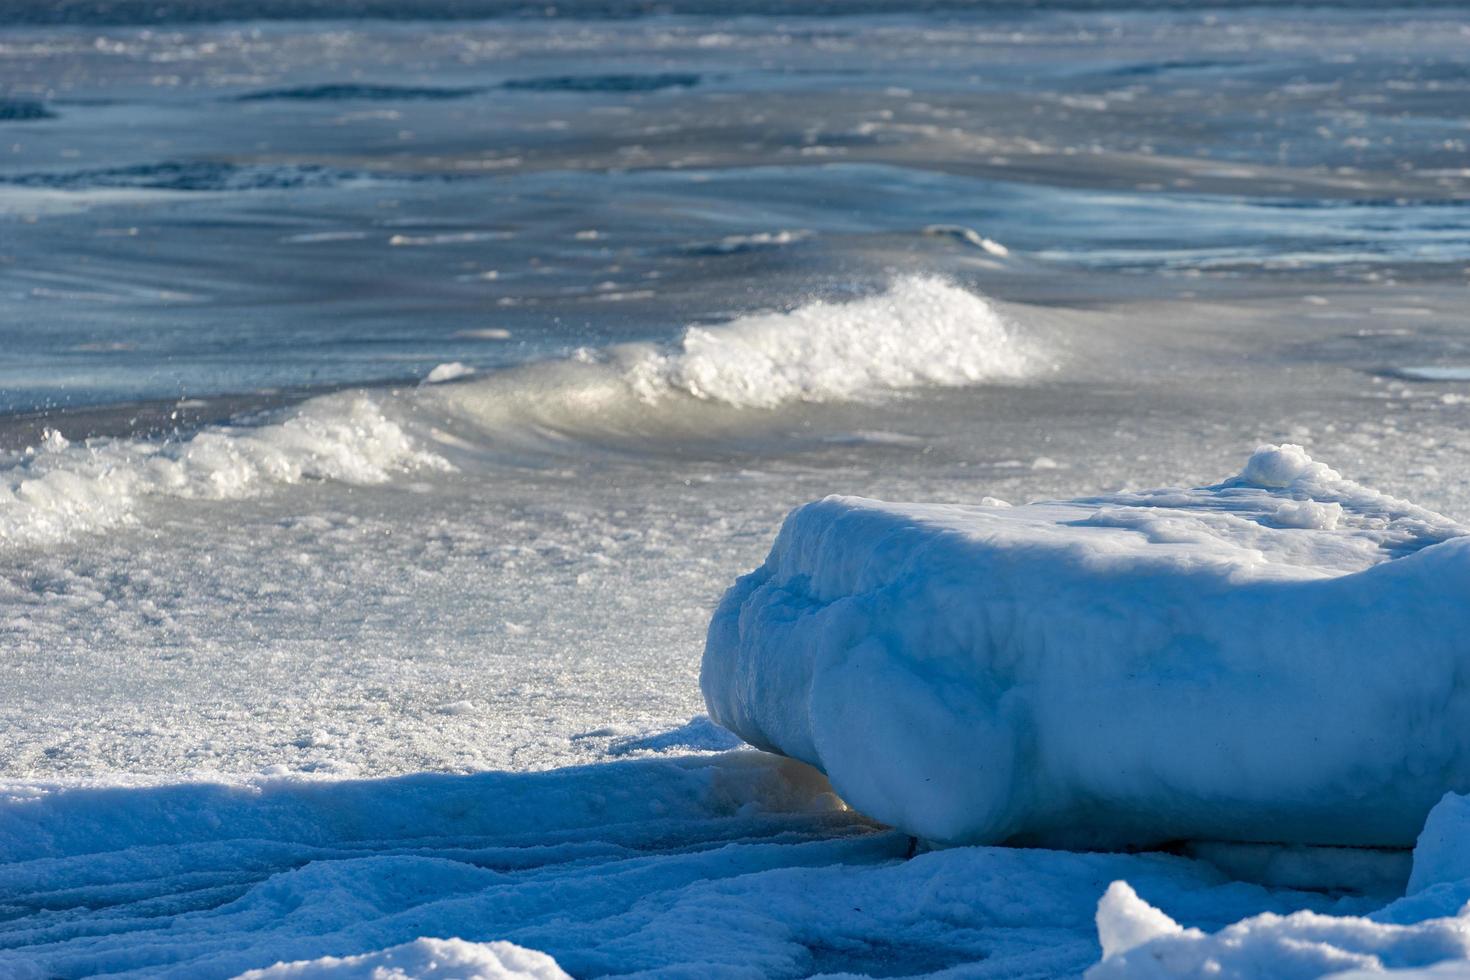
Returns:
point(391, 390)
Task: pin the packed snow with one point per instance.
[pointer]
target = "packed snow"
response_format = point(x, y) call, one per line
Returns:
point(740, 865)
point(1278, 658)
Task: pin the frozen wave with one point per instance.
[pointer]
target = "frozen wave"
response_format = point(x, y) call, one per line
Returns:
point(58, 490)
point(921, 331)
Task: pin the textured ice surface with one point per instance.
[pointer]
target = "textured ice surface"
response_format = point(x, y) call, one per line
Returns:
point(198, 628)
point(742, 865)
point(1277, 658)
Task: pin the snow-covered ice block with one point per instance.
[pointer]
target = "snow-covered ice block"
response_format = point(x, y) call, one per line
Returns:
point(1283, 657)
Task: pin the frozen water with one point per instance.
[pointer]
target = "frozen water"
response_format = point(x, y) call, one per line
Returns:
point(294, 669)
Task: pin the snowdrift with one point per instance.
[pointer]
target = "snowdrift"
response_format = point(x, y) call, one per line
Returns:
point(1282, 657)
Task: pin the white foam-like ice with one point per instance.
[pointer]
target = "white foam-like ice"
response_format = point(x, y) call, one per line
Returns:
point(449, 371)
point(1278, 658)
point(921, 331)
point(58, 490)
point(423, 958)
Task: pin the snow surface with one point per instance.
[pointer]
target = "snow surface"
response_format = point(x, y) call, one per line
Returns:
point(345, 608)
point(740, 864)
point(1278, 658)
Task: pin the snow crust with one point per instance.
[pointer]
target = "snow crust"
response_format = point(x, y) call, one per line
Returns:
point(1276, 658)
point(741, 865)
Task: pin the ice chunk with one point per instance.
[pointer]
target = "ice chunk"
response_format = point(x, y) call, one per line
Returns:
point(1125, 921)
point(1278, 658)
point(1443, 852)
point(448, 372)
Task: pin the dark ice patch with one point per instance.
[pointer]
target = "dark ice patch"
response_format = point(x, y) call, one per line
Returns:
point(203, 175)
point(603, 83)
point(1146, 69)
point(345, 92)
point(24, 110)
